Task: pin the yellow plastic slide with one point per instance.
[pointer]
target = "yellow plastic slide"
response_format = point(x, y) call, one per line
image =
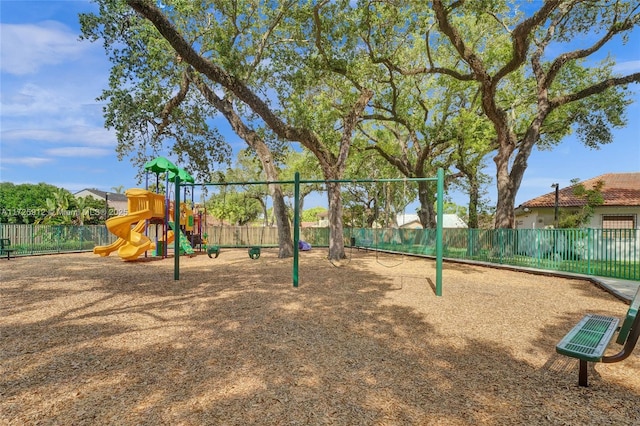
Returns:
point(135, 243)
point(107, 250)
point(131, 243)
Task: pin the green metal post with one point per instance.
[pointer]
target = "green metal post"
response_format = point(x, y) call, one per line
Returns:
point(439, 226)
point(165, 250)
point(176, 230)
point(538, 240)
point(589, 252)
point(296, 228)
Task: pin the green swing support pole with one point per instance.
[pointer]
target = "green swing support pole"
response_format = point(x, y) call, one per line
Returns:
point(439, 226)
point(296, 228)
point(176, 230)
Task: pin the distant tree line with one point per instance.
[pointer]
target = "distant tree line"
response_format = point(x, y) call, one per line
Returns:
point(47, 204)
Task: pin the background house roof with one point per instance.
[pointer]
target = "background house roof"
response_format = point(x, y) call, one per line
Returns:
point(620, 189)
point(96, 193)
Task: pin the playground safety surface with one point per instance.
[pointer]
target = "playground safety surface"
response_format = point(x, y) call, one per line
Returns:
point(86, 340)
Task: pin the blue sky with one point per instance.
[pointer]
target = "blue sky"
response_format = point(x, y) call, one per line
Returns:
point(52, 127)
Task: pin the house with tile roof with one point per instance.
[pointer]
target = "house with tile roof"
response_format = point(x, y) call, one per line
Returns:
point(620, 210)
point(118, 203)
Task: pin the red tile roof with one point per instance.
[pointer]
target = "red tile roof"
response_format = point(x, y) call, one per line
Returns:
point(620, 189)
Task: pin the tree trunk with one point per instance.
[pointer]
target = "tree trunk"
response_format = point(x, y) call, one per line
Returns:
point(474, 197)
point(426, 214)
point(509, 179)
point(336, 232)
point(505, 216)
point(370, 213)
point(285, 239)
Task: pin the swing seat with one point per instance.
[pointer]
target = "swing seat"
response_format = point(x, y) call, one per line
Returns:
point(213, 250)
point(254, 252)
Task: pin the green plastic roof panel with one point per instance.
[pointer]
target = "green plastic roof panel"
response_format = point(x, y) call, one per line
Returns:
point(184, 176)
point(160, 165)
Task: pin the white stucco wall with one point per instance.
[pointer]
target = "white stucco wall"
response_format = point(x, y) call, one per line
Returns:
point(542, 218)
point(534, 220)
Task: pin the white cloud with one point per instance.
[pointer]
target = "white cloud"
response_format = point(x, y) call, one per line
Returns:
point(33, 135)
point(27, 161)
point(25, 48)
point(627, 67)
point(84, 135)
point(57, 100)
point(78, 151)
point(32, 99)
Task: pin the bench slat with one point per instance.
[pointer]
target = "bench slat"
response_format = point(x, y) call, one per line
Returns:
point(589, 338)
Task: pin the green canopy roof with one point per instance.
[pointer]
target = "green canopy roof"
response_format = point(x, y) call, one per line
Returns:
point(159, 165)
point(184, 176)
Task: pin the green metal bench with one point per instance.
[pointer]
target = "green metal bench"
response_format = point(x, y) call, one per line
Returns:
point(589, 339)
point(5, 243)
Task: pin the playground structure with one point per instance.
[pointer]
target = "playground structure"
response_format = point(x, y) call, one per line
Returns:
point(146, 208)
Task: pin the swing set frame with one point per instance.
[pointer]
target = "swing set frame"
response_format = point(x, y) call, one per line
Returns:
point(296, 215)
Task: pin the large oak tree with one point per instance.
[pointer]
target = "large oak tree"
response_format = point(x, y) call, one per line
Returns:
point(328, 137)
point(542, 86)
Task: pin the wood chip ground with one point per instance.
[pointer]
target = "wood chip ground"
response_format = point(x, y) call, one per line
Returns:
point(86, 340)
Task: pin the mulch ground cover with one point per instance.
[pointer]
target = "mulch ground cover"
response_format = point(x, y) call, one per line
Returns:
point(86, 340)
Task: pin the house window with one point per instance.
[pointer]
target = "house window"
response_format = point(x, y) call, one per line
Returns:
point(619, 226)
point(619, 221)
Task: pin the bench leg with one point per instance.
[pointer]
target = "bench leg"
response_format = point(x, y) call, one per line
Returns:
point(582, 377)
